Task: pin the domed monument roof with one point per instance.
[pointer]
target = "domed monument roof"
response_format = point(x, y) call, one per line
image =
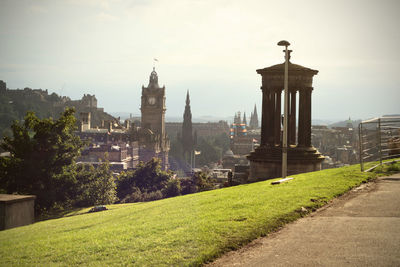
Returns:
point(293, 68)
point(299, 76)
point(281, 68)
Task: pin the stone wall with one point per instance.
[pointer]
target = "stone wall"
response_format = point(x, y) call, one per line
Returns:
point(16, 210)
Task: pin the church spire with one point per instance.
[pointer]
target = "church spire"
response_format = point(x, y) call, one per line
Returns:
point(187, 99)
point(254, 118)
point(187, 131)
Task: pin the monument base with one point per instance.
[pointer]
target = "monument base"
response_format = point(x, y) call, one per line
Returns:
point(266, 162)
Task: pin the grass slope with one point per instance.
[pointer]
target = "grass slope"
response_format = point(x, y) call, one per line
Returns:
point(186, 230)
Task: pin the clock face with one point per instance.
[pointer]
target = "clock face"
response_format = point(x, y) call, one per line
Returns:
point(151, 100)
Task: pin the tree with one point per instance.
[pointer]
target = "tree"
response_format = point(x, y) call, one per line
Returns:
point(95, 186)
point(212, 148)
point(43, 153)
point(148, 177)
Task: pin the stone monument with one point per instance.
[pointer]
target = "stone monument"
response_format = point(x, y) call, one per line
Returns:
point(266, 160)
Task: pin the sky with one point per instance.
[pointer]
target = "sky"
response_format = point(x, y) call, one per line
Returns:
point(210, 47)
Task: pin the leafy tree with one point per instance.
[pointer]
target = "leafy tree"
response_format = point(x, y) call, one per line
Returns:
point(176, 160)
point(42, 159)
point(212, 148)
point(95, 186)
point(148, 177)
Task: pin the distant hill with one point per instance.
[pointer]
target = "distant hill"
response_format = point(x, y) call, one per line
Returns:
point(14, 103)
point(355, 123)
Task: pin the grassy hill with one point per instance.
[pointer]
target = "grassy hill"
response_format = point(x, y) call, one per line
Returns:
point(185, 230)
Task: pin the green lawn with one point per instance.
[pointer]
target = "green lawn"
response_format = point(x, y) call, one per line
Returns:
point(186, 230)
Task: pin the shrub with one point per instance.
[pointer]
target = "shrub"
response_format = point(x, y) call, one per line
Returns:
point(172, 189)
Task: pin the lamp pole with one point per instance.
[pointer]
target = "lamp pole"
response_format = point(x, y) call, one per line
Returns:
point(286, 109)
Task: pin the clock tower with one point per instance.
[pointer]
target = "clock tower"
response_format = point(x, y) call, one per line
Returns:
point(153, 121)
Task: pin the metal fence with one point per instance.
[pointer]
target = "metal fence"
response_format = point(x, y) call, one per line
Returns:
point(379, 140)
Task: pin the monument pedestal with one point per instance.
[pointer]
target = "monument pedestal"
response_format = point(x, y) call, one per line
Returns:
point(266, 162)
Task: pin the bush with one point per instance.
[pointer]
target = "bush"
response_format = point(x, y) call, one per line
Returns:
point(172, 189)
point(148, 178)
point(134, 196)
point(188, 186)
point(151, 196)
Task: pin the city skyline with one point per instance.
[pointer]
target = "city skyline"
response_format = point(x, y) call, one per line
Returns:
point(211, 48)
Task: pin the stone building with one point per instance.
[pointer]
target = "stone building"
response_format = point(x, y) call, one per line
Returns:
point(242, 140)
point(153, 139)
point(112, 141)
point(89, 101)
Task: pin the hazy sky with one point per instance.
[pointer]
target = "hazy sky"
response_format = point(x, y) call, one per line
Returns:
point(210, 47)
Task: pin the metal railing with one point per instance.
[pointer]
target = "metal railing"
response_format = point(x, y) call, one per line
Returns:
point(379, 139)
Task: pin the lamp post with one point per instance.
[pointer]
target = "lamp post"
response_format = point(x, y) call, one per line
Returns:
point(286, 107)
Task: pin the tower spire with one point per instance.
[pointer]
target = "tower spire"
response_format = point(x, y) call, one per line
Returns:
point(187, 98)
point(187, 131)
point(254, 118)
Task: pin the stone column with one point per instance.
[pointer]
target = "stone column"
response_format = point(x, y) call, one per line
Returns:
point(302, 118)
point(292, 119)
point(271, 110)
point(264, 117)
point(277, 117)
point(267, 118)
point(307, 120)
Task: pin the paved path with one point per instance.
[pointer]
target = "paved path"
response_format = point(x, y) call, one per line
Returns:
point(361, 228)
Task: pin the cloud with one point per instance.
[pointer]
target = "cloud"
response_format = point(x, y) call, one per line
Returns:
point(105, 17)
point(36, 9)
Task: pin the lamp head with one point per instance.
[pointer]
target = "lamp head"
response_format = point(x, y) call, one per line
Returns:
point(284, 43)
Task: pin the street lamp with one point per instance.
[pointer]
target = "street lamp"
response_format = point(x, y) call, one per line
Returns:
point(286, 107)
